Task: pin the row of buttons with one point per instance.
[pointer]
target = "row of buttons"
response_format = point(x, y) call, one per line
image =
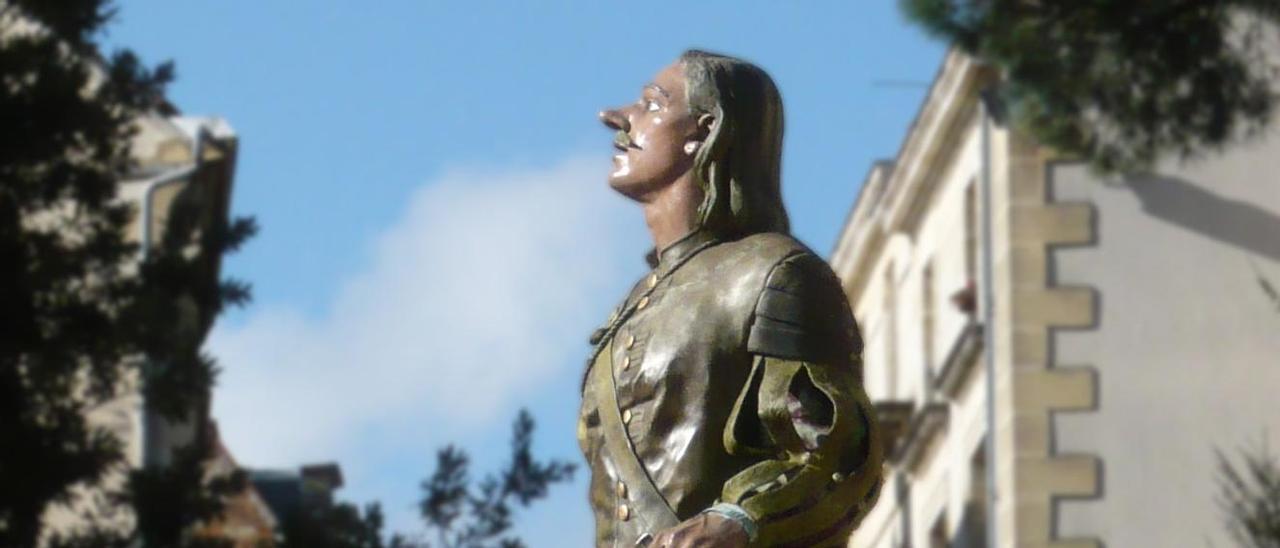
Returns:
point(652, 282)
point(623, 512)
point(629, 343)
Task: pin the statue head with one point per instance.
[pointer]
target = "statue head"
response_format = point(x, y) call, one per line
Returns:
point(717, 120)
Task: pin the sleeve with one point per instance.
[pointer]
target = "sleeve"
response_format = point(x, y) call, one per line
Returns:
point(805, 413)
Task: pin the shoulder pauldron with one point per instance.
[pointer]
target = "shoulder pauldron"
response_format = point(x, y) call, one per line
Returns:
point(802, 314)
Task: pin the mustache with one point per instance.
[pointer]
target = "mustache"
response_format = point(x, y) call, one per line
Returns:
point(623, 141)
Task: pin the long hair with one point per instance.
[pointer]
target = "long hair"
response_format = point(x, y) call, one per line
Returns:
point(739, 166)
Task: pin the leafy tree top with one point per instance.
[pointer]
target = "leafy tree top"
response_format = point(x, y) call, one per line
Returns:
point(1120, 83)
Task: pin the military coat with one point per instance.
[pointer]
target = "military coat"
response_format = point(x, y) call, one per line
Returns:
point(730, 374)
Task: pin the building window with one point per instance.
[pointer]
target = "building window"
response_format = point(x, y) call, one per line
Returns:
point(966, 298)
point(890, 331)
point(938, 533)
point(971, 232)
point(927, 327)
point(973, 524)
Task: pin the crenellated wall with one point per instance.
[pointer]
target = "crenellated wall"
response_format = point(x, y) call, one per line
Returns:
point(1185, 337)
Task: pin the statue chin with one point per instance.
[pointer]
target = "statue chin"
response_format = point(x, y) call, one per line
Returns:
point(624, 181)
point(622, 167)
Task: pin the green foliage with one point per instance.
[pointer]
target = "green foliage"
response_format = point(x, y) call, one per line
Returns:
point(457, 513)
point(1119, 83)
point(168, 499)
point(1249, 494)
point(462, 515)
point(75, 324)
point(335, 526)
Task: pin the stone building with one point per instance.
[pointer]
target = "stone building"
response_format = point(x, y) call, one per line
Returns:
point(247, 520)
point(1057, 356)
point(180, 161)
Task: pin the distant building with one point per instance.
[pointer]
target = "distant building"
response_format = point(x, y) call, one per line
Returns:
point(290, 492)
point(179, 160)
point(258, 515)
point(247, 520)
point(1133, 329)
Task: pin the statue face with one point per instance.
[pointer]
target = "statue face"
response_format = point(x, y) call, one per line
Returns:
point(652, 134)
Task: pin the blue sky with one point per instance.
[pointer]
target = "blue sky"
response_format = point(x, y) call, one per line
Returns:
point(437, 237)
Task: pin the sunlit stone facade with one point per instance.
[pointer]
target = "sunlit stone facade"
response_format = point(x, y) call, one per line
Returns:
point(167, 172)
point(1134, 329)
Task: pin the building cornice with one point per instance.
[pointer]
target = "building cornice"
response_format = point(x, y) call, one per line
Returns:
point(894, 193)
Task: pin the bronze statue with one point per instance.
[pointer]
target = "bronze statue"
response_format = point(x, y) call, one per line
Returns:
point(723, 404)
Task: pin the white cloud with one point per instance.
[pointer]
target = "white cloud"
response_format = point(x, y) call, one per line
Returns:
point(478, 294)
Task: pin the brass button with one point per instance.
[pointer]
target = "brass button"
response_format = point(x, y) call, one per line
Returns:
point(624, 512)
point(631, 341)
point(626, 416)
point(837, 477)
point(626, 362)
point(644, 301)
point(653, 281)
point(620, 489)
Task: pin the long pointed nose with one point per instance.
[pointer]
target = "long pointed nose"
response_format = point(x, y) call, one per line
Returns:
point(614, 119)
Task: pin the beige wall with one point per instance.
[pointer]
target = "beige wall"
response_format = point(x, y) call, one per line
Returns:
point(937, 243)
point(1132, 333)
point(1187, 343)
point(937, 483)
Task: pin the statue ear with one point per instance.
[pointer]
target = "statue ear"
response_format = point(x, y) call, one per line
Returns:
point(705, 122)
point(700, 133)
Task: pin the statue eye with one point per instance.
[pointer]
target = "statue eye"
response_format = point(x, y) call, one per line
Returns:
point(651, 106)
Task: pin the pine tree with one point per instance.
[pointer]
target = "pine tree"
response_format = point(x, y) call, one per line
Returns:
point(1120, 83)
point(1249, 495)
point(462, 515)
point(75, 322)
point(457, 513)
point(341, 525)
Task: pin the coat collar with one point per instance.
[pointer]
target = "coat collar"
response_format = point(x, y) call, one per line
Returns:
point(681, 249)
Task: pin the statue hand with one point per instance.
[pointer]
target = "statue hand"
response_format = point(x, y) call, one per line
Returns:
point(707, 530)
